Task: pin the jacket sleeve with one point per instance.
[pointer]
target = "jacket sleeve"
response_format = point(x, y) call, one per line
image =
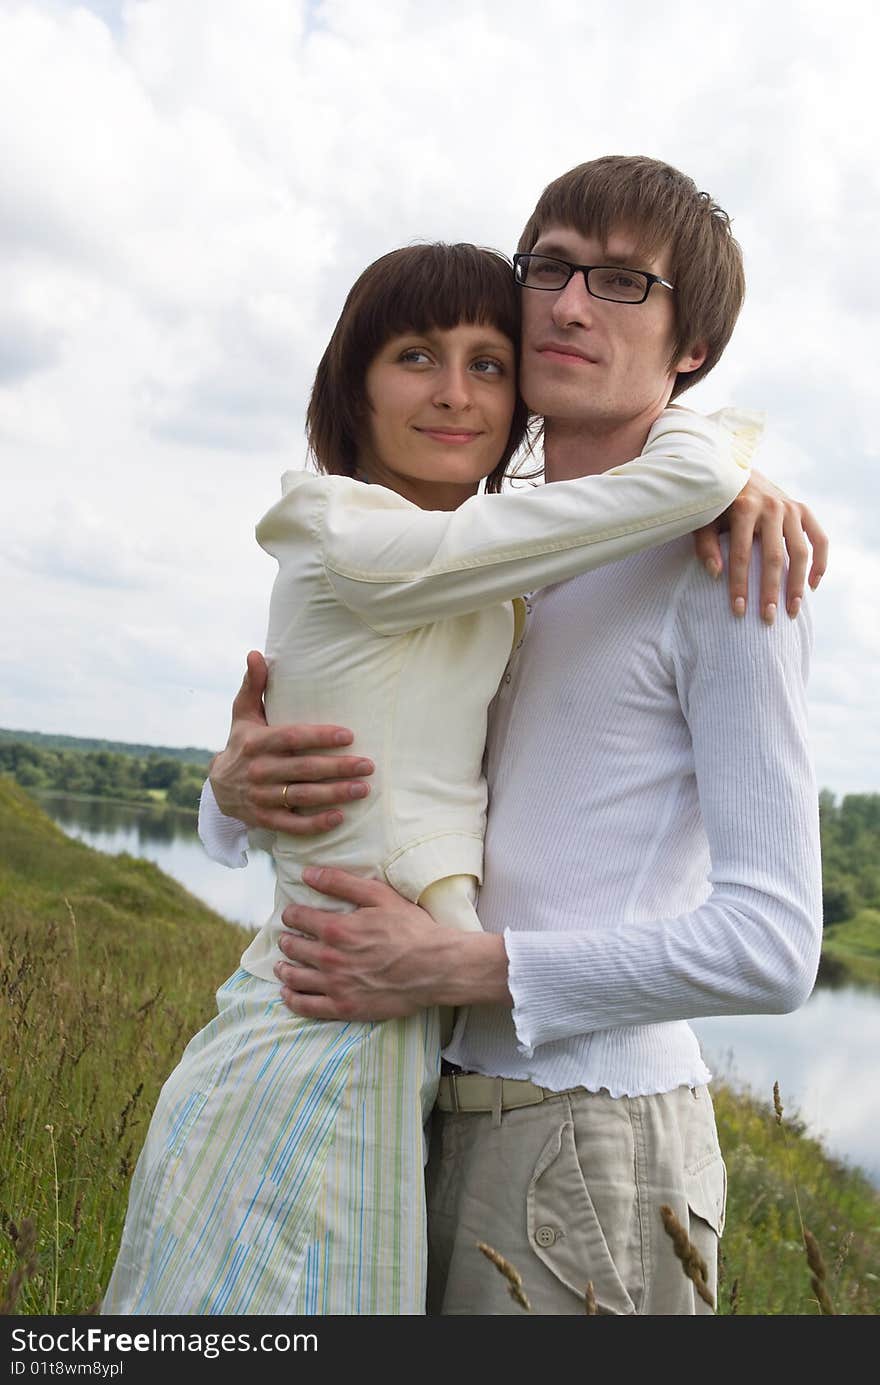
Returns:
point(399, 568)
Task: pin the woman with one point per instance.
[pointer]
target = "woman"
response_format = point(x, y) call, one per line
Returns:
point(282, 1172)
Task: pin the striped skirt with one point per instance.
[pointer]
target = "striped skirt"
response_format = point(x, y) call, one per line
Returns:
point(283, 1171)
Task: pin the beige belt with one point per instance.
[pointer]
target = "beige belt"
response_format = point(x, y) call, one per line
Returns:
point(471, 1091)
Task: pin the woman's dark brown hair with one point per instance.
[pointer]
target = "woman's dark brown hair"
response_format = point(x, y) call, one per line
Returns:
point(417, 289)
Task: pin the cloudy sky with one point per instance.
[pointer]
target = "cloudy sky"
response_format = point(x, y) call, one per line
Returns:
point(187, 190)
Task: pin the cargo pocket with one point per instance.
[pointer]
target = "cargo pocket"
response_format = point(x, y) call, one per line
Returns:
point(706, 1191)
point(564, 1231)
point(705, 1175)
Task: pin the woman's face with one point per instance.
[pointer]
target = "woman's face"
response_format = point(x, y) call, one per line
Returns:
point(441, 404)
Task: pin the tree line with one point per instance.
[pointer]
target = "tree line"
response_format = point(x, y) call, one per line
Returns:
point(850, 833)
point(104, 774)
point(191, 754)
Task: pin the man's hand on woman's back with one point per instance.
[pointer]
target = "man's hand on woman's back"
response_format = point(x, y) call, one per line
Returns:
point(277, 777)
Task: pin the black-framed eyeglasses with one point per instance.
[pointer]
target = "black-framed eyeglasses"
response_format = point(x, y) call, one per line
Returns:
point(614, 283)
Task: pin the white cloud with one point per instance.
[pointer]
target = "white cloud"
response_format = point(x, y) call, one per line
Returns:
point(192, 189)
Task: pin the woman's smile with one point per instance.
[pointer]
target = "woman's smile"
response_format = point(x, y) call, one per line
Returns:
point(441, 405)
point(457, 436)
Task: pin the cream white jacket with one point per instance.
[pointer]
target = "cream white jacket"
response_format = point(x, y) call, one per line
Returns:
point(399, 622)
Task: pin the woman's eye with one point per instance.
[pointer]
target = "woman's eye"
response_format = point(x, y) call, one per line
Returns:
point(415, 354)
point(486, 366)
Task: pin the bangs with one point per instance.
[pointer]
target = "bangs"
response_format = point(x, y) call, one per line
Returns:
point(421, 288)
point(427, 287)
point(637, 196)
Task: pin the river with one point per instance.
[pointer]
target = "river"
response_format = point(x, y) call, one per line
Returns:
point(822, 1056)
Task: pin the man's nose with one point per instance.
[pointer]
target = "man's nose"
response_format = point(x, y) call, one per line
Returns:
point(573, 306)
point(454, 389)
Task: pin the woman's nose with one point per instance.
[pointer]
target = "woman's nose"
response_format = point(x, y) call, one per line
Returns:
point(453, 390)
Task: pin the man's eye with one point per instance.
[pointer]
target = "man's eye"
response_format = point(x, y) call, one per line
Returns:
point(614, 282)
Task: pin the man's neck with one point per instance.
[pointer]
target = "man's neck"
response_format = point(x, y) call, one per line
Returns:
point(575, 448)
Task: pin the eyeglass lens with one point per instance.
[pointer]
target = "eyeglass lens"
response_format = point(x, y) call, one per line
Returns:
point(608, 281)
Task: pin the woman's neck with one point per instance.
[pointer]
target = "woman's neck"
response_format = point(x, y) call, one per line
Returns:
point(428, 495)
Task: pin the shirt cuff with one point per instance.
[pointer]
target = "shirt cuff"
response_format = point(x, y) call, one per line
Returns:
point(224, 838)
point(551, 980)
point(523, 1011)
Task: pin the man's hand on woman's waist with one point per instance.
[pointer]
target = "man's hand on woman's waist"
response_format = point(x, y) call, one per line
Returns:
point(387, 959)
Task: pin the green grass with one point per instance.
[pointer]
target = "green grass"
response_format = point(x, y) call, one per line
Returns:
point(107, 967)
point(762, 1247)
point(851, 950)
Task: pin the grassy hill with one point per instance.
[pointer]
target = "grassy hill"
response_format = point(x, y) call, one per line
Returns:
point(106, 969)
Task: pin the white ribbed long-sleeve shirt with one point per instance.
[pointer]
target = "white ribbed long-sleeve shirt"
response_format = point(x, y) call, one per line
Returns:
point(652, 853)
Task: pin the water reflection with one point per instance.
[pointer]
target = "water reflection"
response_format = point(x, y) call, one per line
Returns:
point(171, 840)
point(99, 819)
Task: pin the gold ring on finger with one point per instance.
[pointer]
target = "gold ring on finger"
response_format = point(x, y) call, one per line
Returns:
point(288, 806)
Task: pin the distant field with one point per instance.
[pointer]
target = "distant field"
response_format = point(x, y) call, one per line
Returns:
point(106, 969)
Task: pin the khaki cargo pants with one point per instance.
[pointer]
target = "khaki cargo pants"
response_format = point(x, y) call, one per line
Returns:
point(569, 1191)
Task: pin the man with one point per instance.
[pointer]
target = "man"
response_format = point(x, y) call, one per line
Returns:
point(652, 851)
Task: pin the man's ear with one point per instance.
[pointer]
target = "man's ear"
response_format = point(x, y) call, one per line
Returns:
point(692, 359)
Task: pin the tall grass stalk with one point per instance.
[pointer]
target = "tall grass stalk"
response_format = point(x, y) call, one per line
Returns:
point(815, 1261)
point(57, 1259)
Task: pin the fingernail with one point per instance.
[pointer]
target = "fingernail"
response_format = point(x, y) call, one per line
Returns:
point(359, 791)
point(363, 767)
point(342, 738)
point(794, 608)
point(739, 606)
point(713, 567)
point(335, 819)
point(312, 874)
point(770, 613)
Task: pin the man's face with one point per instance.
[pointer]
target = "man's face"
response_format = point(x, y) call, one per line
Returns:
point(589, 361)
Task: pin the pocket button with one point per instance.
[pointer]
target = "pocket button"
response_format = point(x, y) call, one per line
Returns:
point(545, 1236)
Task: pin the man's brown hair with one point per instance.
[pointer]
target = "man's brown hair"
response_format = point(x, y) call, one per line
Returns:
point(417, 289)
point(662, 208)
